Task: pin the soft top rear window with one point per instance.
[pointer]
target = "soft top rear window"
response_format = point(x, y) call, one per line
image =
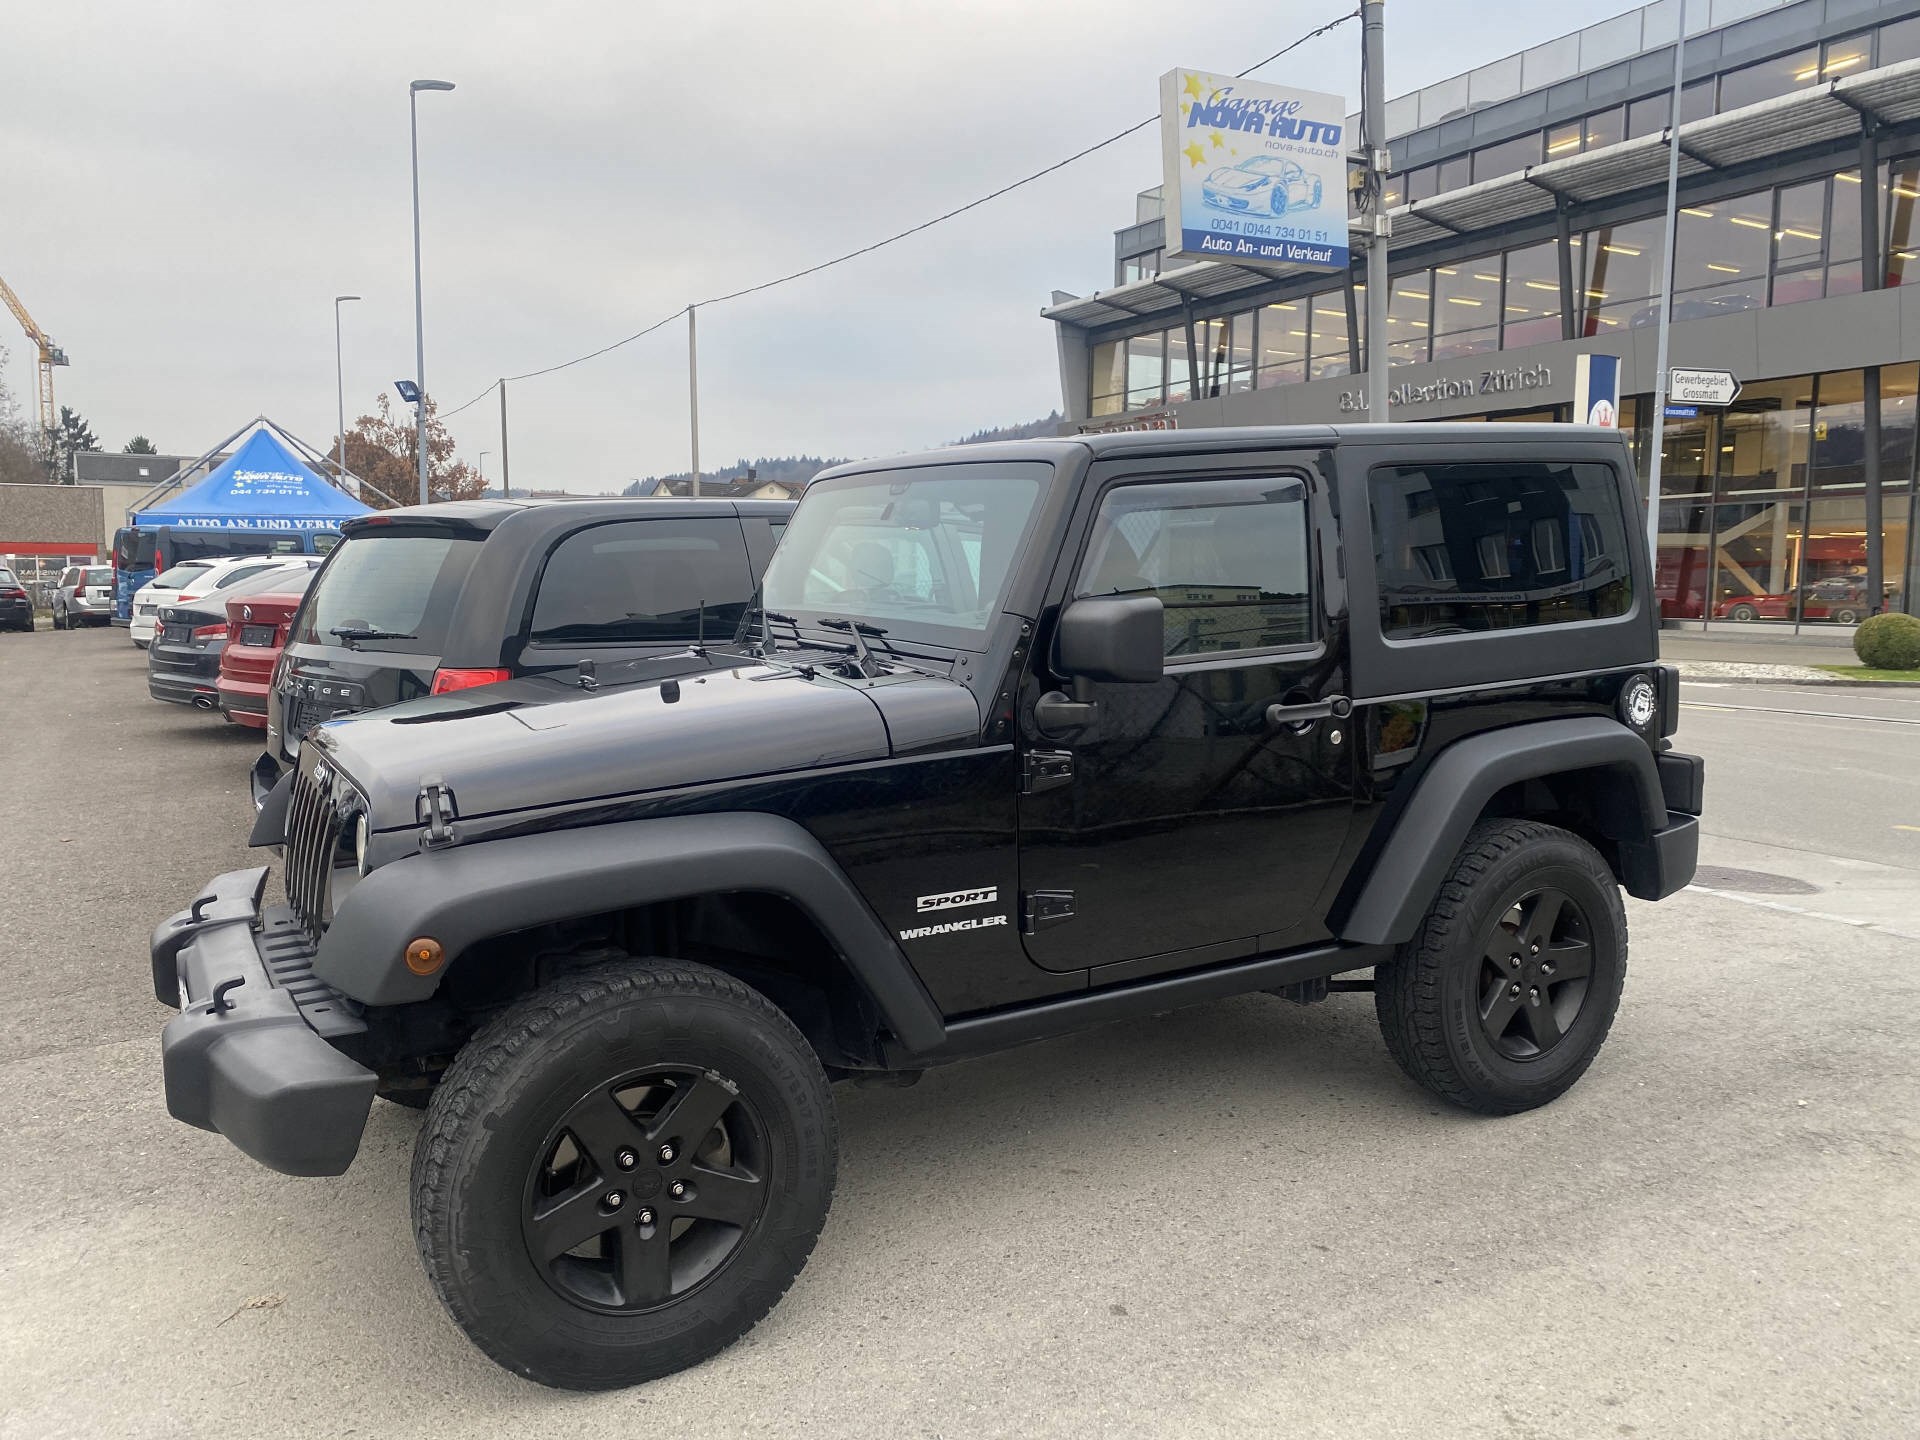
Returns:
point(392, 591)
point(1461, 548)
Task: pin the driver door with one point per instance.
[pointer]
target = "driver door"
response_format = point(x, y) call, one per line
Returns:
point(1186, 824)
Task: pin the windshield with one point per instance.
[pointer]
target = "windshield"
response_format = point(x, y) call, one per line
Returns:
point(6, 578)
point(98, 575)
point(924, 552)
point(179, 577)
point(393, 591)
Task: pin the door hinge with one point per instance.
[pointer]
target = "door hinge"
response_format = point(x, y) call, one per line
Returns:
point(1041, 908)
point(1045, 770)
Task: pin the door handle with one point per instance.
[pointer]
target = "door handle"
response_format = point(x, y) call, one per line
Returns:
point(1336, 707)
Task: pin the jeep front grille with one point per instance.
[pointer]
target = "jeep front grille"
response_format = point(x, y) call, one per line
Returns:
point(312, 833)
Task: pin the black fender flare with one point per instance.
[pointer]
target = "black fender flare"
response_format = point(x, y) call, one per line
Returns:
point(468, 893)
point(1429, 829)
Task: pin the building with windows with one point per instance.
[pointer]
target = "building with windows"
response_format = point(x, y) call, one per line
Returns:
point(1528, 204)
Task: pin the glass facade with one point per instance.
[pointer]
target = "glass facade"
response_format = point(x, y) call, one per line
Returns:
point(1767, 80)
point(1769, 247)
point(1763, 514)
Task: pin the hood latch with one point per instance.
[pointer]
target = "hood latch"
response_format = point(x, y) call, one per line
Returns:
point(434, 808)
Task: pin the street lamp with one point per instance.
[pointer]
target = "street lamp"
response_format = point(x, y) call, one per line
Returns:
point(339, 379)
point(419, 327)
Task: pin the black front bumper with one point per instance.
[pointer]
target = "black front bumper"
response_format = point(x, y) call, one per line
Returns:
point(251, 1054)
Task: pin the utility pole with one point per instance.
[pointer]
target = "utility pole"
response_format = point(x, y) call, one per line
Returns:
point(1373, 127)
point(506, 476)
point(340, 381)
point(419, 324)
point(693, 395)
point(1666, 301)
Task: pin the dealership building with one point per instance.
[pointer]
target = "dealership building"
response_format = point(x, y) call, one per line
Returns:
point(1528, 209)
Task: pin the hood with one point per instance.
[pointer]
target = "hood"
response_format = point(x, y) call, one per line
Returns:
point(1238, 180)
point(534, 743)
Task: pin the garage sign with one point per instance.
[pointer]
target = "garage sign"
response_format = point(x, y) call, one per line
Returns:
point(1253, 174)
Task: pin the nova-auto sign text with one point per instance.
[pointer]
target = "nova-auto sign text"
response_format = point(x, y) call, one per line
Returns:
point(1254, 174)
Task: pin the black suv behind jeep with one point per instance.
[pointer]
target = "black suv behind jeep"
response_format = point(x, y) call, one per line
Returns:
point(1026, 737)
point(439, 598)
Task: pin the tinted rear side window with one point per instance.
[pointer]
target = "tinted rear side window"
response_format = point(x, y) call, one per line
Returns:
point(644, 581)
point(400, 587)
point(1481, 547)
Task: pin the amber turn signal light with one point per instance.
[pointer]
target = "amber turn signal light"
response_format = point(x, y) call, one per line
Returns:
point(425, 955)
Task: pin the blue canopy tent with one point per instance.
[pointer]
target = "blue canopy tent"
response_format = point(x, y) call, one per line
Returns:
point(264, 487)
point(263, 500)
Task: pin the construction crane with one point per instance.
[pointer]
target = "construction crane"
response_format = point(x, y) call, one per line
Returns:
point(50, 355)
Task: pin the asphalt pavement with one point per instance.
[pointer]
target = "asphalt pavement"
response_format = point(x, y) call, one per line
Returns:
point(1237, 1219)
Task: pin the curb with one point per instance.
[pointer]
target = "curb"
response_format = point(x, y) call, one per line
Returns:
point(1836, 683)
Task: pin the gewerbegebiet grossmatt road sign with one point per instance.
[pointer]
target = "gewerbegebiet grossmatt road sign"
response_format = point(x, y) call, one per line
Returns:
point(1701, 387)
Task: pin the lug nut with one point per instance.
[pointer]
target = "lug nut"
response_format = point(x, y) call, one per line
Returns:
point(1546, 967)
point(1514, 990)
point(666, 1154)
point(613, 1199)
point(646, 1217)
point(1533, 997)
point(1533, 950)
point(678, 1189)
point(626, 1159)
point(1514, 961)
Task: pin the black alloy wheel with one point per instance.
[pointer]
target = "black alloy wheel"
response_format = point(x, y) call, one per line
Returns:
point(646, 1188)
point(1534, 972)
point(1503, 996)
point(623, 1172)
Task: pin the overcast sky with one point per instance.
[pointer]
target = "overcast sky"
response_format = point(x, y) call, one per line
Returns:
point(189, 185)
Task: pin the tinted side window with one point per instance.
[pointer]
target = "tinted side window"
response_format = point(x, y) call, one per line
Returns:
point(1497, 547)
point(644, 581)
point(1228, 559)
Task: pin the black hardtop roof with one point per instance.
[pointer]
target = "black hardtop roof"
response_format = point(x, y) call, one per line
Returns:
point(483, 515)
point(1216, 439)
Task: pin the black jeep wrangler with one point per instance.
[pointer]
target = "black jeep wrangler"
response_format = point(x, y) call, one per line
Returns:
point(1019, 738)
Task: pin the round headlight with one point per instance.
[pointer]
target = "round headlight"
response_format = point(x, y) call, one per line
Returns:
point(360, 843)
point(1639, 702)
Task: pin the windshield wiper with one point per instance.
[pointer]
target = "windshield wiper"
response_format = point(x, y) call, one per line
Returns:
point(350, 634)
point(860, 628)
point(857, 631)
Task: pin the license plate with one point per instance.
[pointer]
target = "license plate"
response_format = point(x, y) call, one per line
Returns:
point(148, 609)
point(256, 634)
point(173, 632)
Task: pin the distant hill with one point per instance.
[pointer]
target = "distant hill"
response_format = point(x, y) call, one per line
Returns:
point(797, 470)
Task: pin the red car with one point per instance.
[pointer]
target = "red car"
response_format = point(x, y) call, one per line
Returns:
point(257, 632)
point(1841, 599)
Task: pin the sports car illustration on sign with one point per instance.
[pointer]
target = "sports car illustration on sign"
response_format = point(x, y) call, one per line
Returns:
point(1265, 182)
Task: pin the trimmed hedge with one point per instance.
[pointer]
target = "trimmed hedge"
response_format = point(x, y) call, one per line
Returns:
point(1888, 642)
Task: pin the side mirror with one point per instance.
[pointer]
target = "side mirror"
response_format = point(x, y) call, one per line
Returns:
point(1116, 638)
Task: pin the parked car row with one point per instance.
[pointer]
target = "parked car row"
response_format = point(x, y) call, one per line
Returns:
point(443, 598)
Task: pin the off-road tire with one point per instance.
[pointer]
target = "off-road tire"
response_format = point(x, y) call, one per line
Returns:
point(1426, 996)
point(514, 1081)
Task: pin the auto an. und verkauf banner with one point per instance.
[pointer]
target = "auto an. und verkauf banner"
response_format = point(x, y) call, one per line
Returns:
point(1254, 174)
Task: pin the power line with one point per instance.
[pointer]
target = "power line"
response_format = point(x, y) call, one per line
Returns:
point(911, 230)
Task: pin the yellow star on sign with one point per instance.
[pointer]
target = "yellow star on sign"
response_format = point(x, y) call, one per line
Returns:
point(1185, 106)
point(1218, 143)
point(1193, 86)
point(1195, 155)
